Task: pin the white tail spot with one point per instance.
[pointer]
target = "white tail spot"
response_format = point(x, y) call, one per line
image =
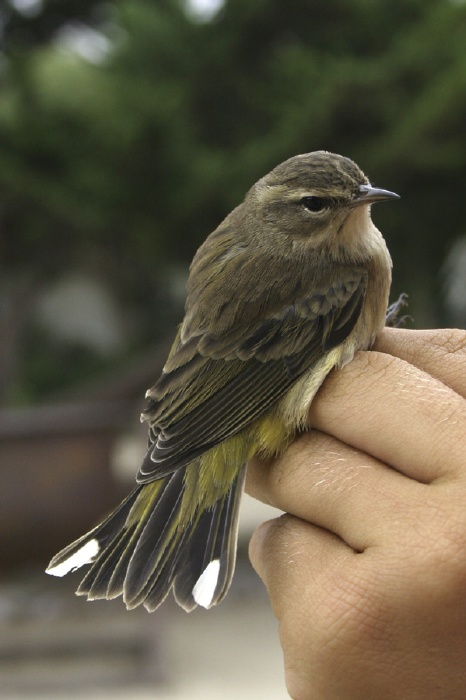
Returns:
point(85, 555)
point(204, 589)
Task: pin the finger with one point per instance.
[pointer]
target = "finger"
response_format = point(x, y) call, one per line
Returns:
point(441, 353)
point(324, 597)
point(291, 555)
point(293, 558)
point(334, 486)
point(404, 417)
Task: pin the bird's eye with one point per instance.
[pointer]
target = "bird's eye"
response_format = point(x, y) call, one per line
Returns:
point(314, 204)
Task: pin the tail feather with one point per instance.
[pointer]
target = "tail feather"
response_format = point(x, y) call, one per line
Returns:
point(163, 578)
point(89, 547)
point(100, 581)
point(143, 549)
point(214, 541)
point(157, 539)
point(106, 578)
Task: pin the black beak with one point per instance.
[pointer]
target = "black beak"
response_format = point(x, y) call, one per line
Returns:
point(368, 194)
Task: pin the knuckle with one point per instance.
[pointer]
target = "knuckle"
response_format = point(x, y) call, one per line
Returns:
point(453, 340)
point(445, 341)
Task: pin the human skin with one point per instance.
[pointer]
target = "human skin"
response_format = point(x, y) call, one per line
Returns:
point(366, 572)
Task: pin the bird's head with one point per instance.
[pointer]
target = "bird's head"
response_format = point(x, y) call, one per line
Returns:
point(319, 200)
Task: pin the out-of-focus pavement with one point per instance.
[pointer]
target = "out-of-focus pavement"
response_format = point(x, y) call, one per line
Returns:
point(228, 652)
point(54, 645)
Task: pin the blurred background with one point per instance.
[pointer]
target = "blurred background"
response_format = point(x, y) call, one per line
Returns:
point(128, 130)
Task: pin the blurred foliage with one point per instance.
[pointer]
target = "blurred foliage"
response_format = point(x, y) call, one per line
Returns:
point(121, 162)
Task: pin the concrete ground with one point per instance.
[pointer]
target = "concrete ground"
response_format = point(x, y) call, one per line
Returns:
point(229, 652)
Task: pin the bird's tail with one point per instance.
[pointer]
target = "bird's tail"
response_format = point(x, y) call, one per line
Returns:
point(145, 548)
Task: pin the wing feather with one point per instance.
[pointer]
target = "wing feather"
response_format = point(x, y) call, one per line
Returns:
point(205, 399)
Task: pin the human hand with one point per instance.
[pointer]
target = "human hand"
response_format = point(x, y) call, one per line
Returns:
point(367, 571)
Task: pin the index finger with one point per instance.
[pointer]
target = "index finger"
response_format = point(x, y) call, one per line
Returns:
point(392, 410)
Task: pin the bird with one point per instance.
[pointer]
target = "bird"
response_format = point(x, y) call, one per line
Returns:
point(288, 287)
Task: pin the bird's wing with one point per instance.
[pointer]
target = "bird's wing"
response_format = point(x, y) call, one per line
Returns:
point(213, 386)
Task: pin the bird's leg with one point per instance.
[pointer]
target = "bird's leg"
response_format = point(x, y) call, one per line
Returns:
point(392, 316)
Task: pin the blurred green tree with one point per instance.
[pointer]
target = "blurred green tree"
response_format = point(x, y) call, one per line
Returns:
point(122, 164)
